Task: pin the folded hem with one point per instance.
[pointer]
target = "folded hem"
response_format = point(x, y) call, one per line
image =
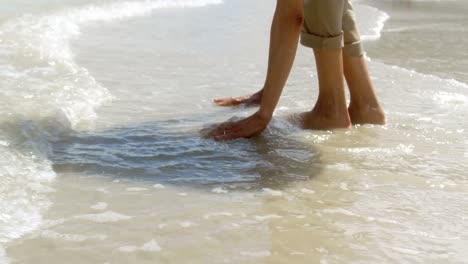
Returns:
point(319, 42)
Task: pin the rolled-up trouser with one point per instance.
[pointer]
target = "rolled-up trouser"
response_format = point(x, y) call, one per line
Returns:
point(331, 24)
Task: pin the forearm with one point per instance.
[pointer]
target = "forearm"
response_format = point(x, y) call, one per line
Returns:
point(284, 38)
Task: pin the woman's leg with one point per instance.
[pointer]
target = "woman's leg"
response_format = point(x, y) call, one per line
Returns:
point(330, 110)
point(364, 107)
point(322, 31)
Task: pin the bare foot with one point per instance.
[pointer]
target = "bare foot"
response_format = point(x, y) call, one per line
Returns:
point(249, 100)
point(319, 120)
point(366, 115)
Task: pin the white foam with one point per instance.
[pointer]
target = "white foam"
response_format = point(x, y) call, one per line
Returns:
point(102, 190)
point(321, 250)
point(49, 234)
point(446, 98)
point(99, 206)
point(436, 81)
point(105, 217)
point(51, 223)
point(41, 82)
point(150, 246)
point(122, 10)
point(407, 251)
point(407, 149)
point(217, 214)
point(24, 179)
point(308, 191)
point(37, 62)
point(159, 186)
point(271, 192)
point(344, 186)
point(339, 211)
point(3, 258)
point(219, 190)
point(371, 22)
point(186, 224)
point(341, 166)
point(40, 188)
point(449, 94)
point(136, 189)
point(267, 217)
point(128, 248)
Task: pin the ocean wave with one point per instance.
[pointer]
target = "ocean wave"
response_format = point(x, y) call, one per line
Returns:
point(44, 95)
point(24, 176)
point(37, 65)
point(371, 22)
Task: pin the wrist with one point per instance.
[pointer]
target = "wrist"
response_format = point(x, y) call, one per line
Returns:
point(265, 116)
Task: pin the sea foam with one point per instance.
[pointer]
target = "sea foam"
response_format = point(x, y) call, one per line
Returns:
point(105, 217)
point(44, 94)
point(371, 22)
point(150, 246)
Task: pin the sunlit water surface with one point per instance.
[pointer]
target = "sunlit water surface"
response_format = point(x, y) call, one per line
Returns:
point(102, 160)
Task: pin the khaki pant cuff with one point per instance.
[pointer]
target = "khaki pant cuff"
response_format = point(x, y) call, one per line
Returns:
point(318, 42)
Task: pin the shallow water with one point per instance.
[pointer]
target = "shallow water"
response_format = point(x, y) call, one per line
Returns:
point(102, 161)
point(432, 31)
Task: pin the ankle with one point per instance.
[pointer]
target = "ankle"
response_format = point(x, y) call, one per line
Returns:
point(318, 119)
point(364, 103)
point(366, 114)
point(330, 107)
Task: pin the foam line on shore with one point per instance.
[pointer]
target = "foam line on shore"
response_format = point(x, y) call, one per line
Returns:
point(44, 94)
point(371, 22)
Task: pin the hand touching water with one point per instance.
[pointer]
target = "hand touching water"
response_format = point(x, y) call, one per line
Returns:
point(284, 37)
point(248, 127)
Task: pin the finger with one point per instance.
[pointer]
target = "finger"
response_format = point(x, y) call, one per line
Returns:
point(227, 102)
point(231, 101)
point(221, 101)
point(236, 101)
point(241, 100)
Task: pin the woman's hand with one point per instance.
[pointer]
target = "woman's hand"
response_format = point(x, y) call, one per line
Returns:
point(249, 127)
point(249, 100)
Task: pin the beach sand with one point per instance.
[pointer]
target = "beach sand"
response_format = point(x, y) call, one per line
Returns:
point(102, 162)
